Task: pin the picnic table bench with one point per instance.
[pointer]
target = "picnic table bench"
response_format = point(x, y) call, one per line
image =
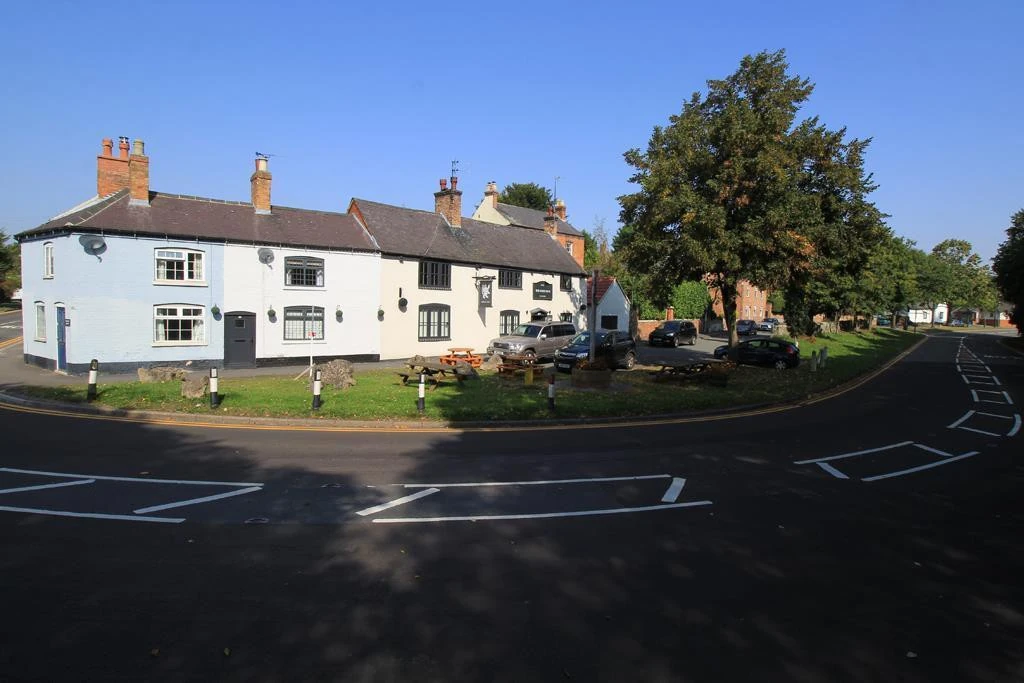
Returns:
point(464, 354)
point(514, 363)
point(434, 373)
point(716, 371)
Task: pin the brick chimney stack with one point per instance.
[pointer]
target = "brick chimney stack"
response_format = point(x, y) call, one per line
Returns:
point(260, 182)
point(551, 223)
point(560, 209)
point(492, 193)
point(112, 172)
point(138, 174)
point(448, 202)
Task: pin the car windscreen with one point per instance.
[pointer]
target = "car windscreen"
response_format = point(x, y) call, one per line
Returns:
point(671, 325)
point(527, 331)
point(583, 339)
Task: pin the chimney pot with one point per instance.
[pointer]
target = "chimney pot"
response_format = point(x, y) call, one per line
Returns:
point(138, 175)
point(111, 171)
point(138, 147)
point(444, 184)
point(455, 183)
point(122, 146)
point(108, 147)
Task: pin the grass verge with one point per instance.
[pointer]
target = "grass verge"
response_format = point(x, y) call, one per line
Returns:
point(380, 396)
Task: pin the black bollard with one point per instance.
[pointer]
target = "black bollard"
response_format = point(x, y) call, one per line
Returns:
point(94, 371)
point(316, 389)
point(214, 396)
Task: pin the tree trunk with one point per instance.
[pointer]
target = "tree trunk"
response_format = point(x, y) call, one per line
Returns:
point(729, 309)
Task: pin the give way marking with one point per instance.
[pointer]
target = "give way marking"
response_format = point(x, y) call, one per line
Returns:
point(667, 501)
point(139, 514)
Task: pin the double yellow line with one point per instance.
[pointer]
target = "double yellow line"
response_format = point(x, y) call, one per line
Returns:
point(9, 342)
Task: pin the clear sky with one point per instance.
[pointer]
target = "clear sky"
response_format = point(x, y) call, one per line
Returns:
point(374, 99)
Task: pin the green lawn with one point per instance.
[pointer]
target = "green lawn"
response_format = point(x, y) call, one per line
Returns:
point(380, 395)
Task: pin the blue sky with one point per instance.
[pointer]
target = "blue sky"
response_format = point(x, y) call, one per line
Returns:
point(374, 100)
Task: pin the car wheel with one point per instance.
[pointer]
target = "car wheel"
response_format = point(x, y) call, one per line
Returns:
point(629, 361)
point(780, 364)
point(530, 356)
point(693, 340)
point(675, 342)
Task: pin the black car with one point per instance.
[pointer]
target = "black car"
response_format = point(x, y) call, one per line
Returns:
point(616, 348)
point(673, 333)
point(775, 352)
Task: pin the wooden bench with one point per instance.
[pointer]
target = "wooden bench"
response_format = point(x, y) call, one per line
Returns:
point(714, 372)
point(433, 375)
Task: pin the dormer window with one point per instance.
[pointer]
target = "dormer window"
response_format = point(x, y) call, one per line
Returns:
point(179, 267)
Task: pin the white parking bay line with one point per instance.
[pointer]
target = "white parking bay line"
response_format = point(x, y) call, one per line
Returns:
point(542, 515)
point(397, 502)
point(832, 470)
point(922, 467)
point(536, 483)
point(92, 515)
point(77, 482)
point(855, 453)
point(674, 489)
point(139, 479)
point(196, 501)
point(963, 419)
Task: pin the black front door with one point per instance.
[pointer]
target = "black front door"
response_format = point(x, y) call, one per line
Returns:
point(239, 339)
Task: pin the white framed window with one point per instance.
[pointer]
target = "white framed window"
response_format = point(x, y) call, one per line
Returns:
point(179, 325)
point(40, 321)
point(569, 247)
point(48, 260)
point(300, 271)
point(179, 267)
point(303, 323)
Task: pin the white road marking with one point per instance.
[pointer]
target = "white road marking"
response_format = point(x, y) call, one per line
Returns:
point(976, 393)
point(855, 453)
point(140, 479)
point(535, 483)
point(979, 431)
point(674, 489)
point(93, 515)
point(936, 451)
point(963, 419)
point(400, 501)
point(196, 501)
point(922, 467)
point(1016, 426)
point(832, 470)
point(543, 515)
point(78, 482)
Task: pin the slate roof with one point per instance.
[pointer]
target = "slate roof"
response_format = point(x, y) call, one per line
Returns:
point(532, 218)
point(424, 234)
point(188, 217)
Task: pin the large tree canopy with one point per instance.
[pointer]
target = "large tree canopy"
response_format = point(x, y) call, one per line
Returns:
point(1009, 268)
point(529, 195)
point(733, 189)
point(10, 267)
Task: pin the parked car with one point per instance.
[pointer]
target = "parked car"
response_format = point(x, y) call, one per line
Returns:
point(538, 339)
point(767, 325)
point(775, 352)
point(616, 348)
point(958, 323)
point(673, 333)
point(744, 327)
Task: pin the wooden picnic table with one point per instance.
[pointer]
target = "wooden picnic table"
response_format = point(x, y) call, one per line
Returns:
point(434, 373)
point(707, 369)
point(464, 354)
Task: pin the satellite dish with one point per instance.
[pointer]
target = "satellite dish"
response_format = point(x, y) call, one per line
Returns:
point(94, 245)
point(266, 256)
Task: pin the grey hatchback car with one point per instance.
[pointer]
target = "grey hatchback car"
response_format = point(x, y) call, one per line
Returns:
point(538, 339)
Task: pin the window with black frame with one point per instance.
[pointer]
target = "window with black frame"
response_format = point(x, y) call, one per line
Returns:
point(508, 321)
point(510, 279)
point(435, 322)
point(303, 323)
point(435, 275)
point(565, 283)
point(302, 271)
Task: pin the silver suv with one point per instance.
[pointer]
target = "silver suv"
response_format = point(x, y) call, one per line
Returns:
point(537, 339)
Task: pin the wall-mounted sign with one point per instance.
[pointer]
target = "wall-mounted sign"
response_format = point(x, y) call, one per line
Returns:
point(542, 290)
point(486, 292)
point(67, 322)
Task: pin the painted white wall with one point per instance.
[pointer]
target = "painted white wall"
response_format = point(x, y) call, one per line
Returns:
point(614, 302)
point(471, 325)
point(940, 314)
point(351, 282)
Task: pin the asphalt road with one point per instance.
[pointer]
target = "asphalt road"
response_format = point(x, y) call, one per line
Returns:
point(873, 536)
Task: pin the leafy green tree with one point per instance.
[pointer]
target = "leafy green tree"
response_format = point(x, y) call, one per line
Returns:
point(529, 195)
point(10, 267)
point(889, 281)
point(778, 301)
point(969, 282)
point(690, 299)
point(1009, 268)
point(733, 190)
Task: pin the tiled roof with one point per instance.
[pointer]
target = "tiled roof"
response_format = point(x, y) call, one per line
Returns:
point(213, 219)
point(532, 218)
point(424, 234)
point(604, 283)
